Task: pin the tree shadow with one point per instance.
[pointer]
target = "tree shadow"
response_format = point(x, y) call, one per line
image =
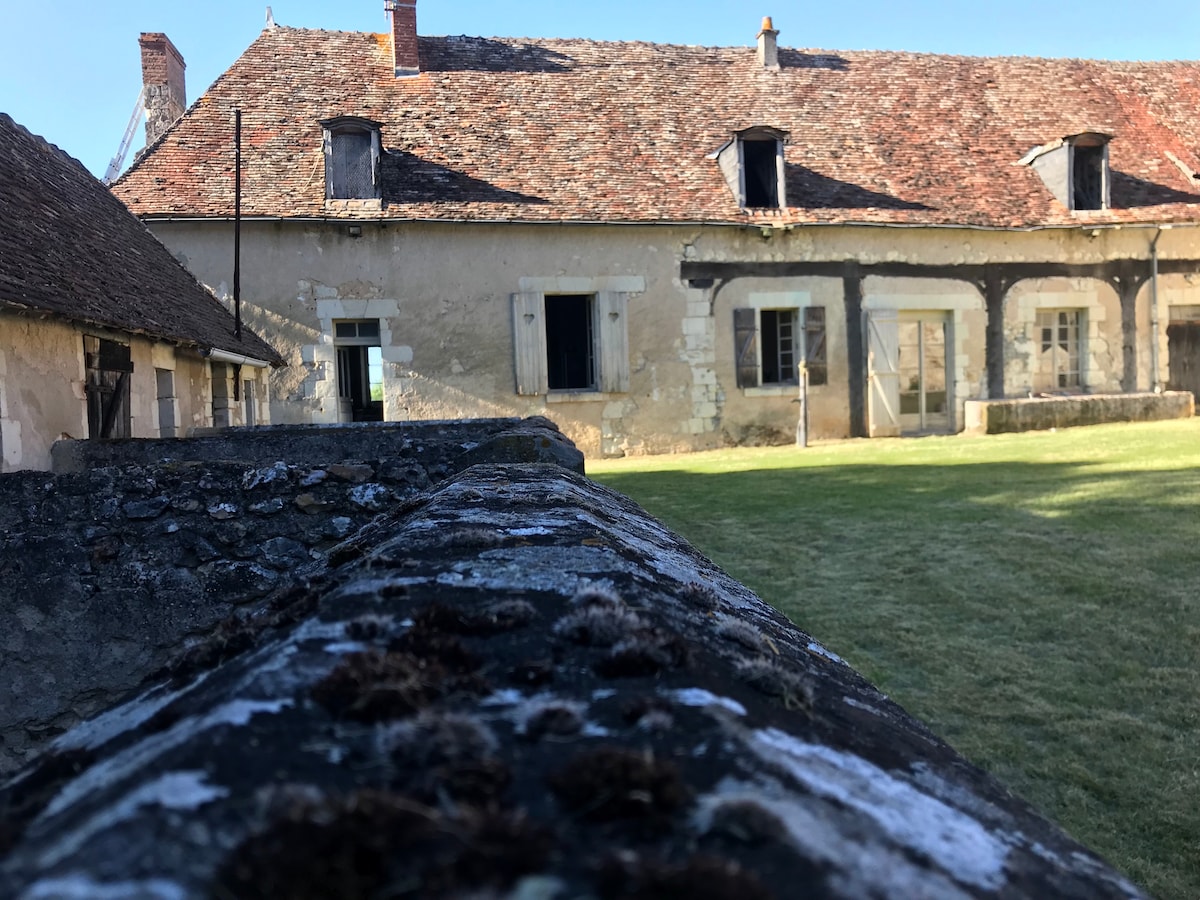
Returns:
point(1128, 192)
point(807, 189)
point(797, 59)
point(473, 54)
point(410, 179)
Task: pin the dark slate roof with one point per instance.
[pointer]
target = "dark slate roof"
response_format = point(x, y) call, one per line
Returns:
point(69, 248)
point(578, 130)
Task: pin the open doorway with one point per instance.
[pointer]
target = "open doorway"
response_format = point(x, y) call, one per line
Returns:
point(359, 370)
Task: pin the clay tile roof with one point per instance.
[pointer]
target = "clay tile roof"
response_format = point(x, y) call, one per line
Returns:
point(71, 249)
point(577, 130)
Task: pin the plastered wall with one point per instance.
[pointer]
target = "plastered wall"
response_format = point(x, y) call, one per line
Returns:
point(42, 396)
point(443, 296)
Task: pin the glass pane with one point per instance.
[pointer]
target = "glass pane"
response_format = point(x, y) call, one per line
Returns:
point(375, 371)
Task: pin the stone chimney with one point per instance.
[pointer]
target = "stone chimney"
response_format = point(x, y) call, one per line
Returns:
point(403, 15)
point(165, 96)
point(768, 52)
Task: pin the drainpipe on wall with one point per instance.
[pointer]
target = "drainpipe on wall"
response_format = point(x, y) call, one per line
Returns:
point(1155, 384)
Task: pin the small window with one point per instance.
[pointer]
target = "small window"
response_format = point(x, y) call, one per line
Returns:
point(772, 344)
point(1087, 177)
point(1074, 169)
point(759, 163)
point(753, 166)
point(1059, 344)
point(571, 343)
point(352, 151)
point(358, 328)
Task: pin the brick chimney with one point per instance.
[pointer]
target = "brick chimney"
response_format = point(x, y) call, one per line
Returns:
point(768, 52)
point(162, 79)
point(403, 15)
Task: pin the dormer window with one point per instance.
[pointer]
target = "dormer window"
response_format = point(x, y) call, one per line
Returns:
point(1075, 170)
point(352, 151)
point(1089, 173)
point(753, 166)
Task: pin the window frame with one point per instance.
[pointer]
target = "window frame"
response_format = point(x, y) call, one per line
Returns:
point(736, 167)
point(1048, 378)
point(344, 126)
point(808, 326)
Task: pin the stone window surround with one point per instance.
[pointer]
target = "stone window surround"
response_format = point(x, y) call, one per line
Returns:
point(1087, 301)
point(322, 356)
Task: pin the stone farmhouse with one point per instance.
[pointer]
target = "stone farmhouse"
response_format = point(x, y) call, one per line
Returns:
point(102, 333)
point(657, 245)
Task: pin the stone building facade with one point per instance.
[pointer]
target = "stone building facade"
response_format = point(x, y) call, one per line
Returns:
point(653, 244)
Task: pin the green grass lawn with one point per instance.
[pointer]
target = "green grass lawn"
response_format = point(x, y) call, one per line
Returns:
point(1034, 598)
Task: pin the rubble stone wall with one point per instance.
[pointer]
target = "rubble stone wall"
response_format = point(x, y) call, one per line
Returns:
point(519, 685)
point(143, 545)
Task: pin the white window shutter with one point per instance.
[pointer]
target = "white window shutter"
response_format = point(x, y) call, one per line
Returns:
point(376, 154)
point(614, 341)
point(529, 342)
point(883, 372)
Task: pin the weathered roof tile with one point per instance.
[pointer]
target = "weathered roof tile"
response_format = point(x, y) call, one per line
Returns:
point(69, 248)
point(577, 130)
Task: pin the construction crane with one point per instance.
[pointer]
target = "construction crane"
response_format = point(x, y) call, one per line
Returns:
point(114, 167)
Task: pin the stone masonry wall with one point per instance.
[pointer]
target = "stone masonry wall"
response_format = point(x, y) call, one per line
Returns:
point(519, 685)
point(106, 572)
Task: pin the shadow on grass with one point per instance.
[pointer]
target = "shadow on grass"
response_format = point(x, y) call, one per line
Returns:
point(1042, 616)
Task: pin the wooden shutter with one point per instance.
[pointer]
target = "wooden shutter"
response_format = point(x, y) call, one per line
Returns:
point(529, 342)
point(613, 331)
point(745, 346)
point(109, 373)
point(883, 372)
point(814, 345)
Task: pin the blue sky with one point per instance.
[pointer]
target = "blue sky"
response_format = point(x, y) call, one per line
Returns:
point(70, 69)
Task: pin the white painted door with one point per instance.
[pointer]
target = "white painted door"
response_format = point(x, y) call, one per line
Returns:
point(883, 374)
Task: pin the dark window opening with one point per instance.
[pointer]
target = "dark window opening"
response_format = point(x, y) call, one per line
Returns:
point(779, 350)
point(570, 343)
point(359, 328)
point(109, 372)
point(1087, 175)
point(760, 166)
